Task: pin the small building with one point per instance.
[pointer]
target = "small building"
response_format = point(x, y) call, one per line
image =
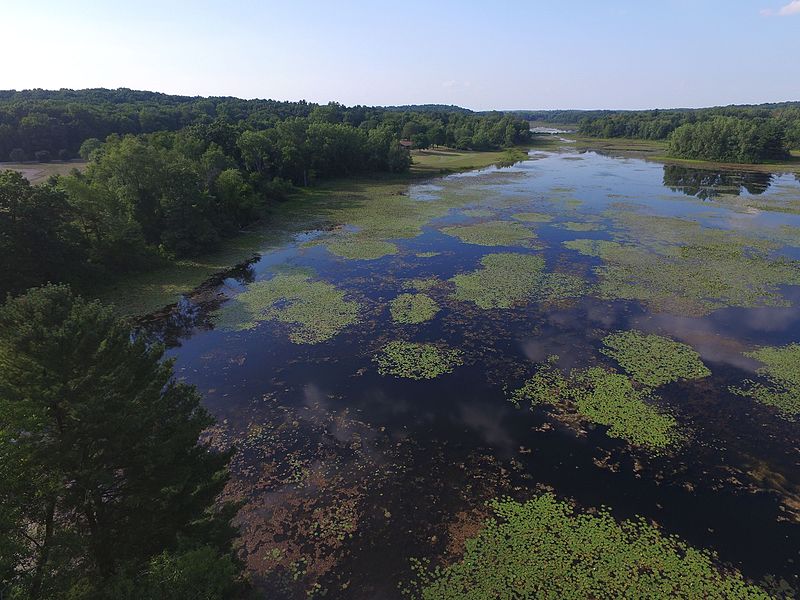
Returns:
point(407, 144)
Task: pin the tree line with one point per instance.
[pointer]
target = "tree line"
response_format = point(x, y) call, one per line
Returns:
point(153, 196)
point(45, 125)
point(747, 134)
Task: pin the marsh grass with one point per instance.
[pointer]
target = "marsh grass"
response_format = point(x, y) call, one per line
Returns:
point(781, 371)
point(543, 548)
point(412, 360)
point(653, 360)
point(315, 311)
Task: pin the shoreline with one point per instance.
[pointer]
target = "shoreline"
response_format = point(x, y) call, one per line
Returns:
point(138, 295)
point(654, 150)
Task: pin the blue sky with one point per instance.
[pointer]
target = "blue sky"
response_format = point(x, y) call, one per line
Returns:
point(482, 55)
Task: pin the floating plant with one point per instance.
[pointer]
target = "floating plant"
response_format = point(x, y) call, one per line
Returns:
point(492, 233)
point(604, 398)
point(314, 310)
point(543, 548)
point(413, 308)
point(417, 361)
point(506, 279)
point(654, 360)
point(781, 371)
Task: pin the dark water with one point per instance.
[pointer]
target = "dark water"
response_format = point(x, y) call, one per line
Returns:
point(347, 474)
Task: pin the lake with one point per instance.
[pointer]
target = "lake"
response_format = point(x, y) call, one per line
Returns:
point(371, 369)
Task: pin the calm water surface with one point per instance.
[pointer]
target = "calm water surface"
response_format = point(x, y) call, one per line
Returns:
point(346, 474)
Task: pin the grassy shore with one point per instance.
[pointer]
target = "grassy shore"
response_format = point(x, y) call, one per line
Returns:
point(657, 151)
point(439, 161)
point(142, 293)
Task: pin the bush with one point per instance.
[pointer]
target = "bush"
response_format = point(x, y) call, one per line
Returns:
point(42, 156)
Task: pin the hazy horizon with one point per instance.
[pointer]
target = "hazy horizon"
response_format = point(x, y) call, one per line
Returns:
point(517, 56)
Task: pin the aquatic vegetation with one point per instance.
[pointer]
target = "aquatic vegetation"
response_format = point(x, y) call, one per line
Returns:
point(359, 248)
point(421, 284)
point(477, 212)
point(604, 398)
point(543, 548)
point(506, 279)
point(580, 226)
point(653, 360)
point(413, 308)
point(314, 310)
point(781, 371)
point(427, 254)
point(417, 360)
point(668, 274)
point(532, 217)
point(492, 233)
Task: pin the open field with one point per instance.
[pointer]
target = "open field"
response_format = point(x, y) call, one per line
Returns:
point(40, 172)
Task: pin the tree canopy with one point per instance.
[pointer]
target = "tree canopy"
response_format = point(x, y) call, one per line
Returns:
point(105, 490)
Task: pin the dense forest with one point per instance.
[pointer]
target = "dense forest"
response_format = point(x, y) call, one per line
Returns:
point(44, 125)
point(171, 176)
point(739, 133)
point(747, 134)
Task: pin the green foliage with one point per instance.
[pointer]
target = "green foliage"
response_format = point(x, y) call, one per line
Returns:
point(781, 371)
point(492, 233)
point(38, 242)
point(653, 360)
point(198, 574)
point(542, 548)
point(99, 454)
point(53, 120)
point(605, 398)
point(172, 176)
point(724, 133)
point(417, 361)
point(730, 139)
point(506, 279)
point(413, 308)
point(314, 310)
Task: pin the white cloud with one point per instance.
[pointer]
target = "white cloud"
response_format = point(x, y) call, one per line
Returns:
point(793, 8)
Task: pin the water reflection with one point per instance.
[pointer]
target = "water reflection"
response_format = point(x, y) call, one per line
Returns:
point(705, 183)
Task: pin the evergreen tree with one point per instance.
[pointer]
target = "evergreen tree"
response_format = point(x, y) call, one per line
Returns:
point(100, 466)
